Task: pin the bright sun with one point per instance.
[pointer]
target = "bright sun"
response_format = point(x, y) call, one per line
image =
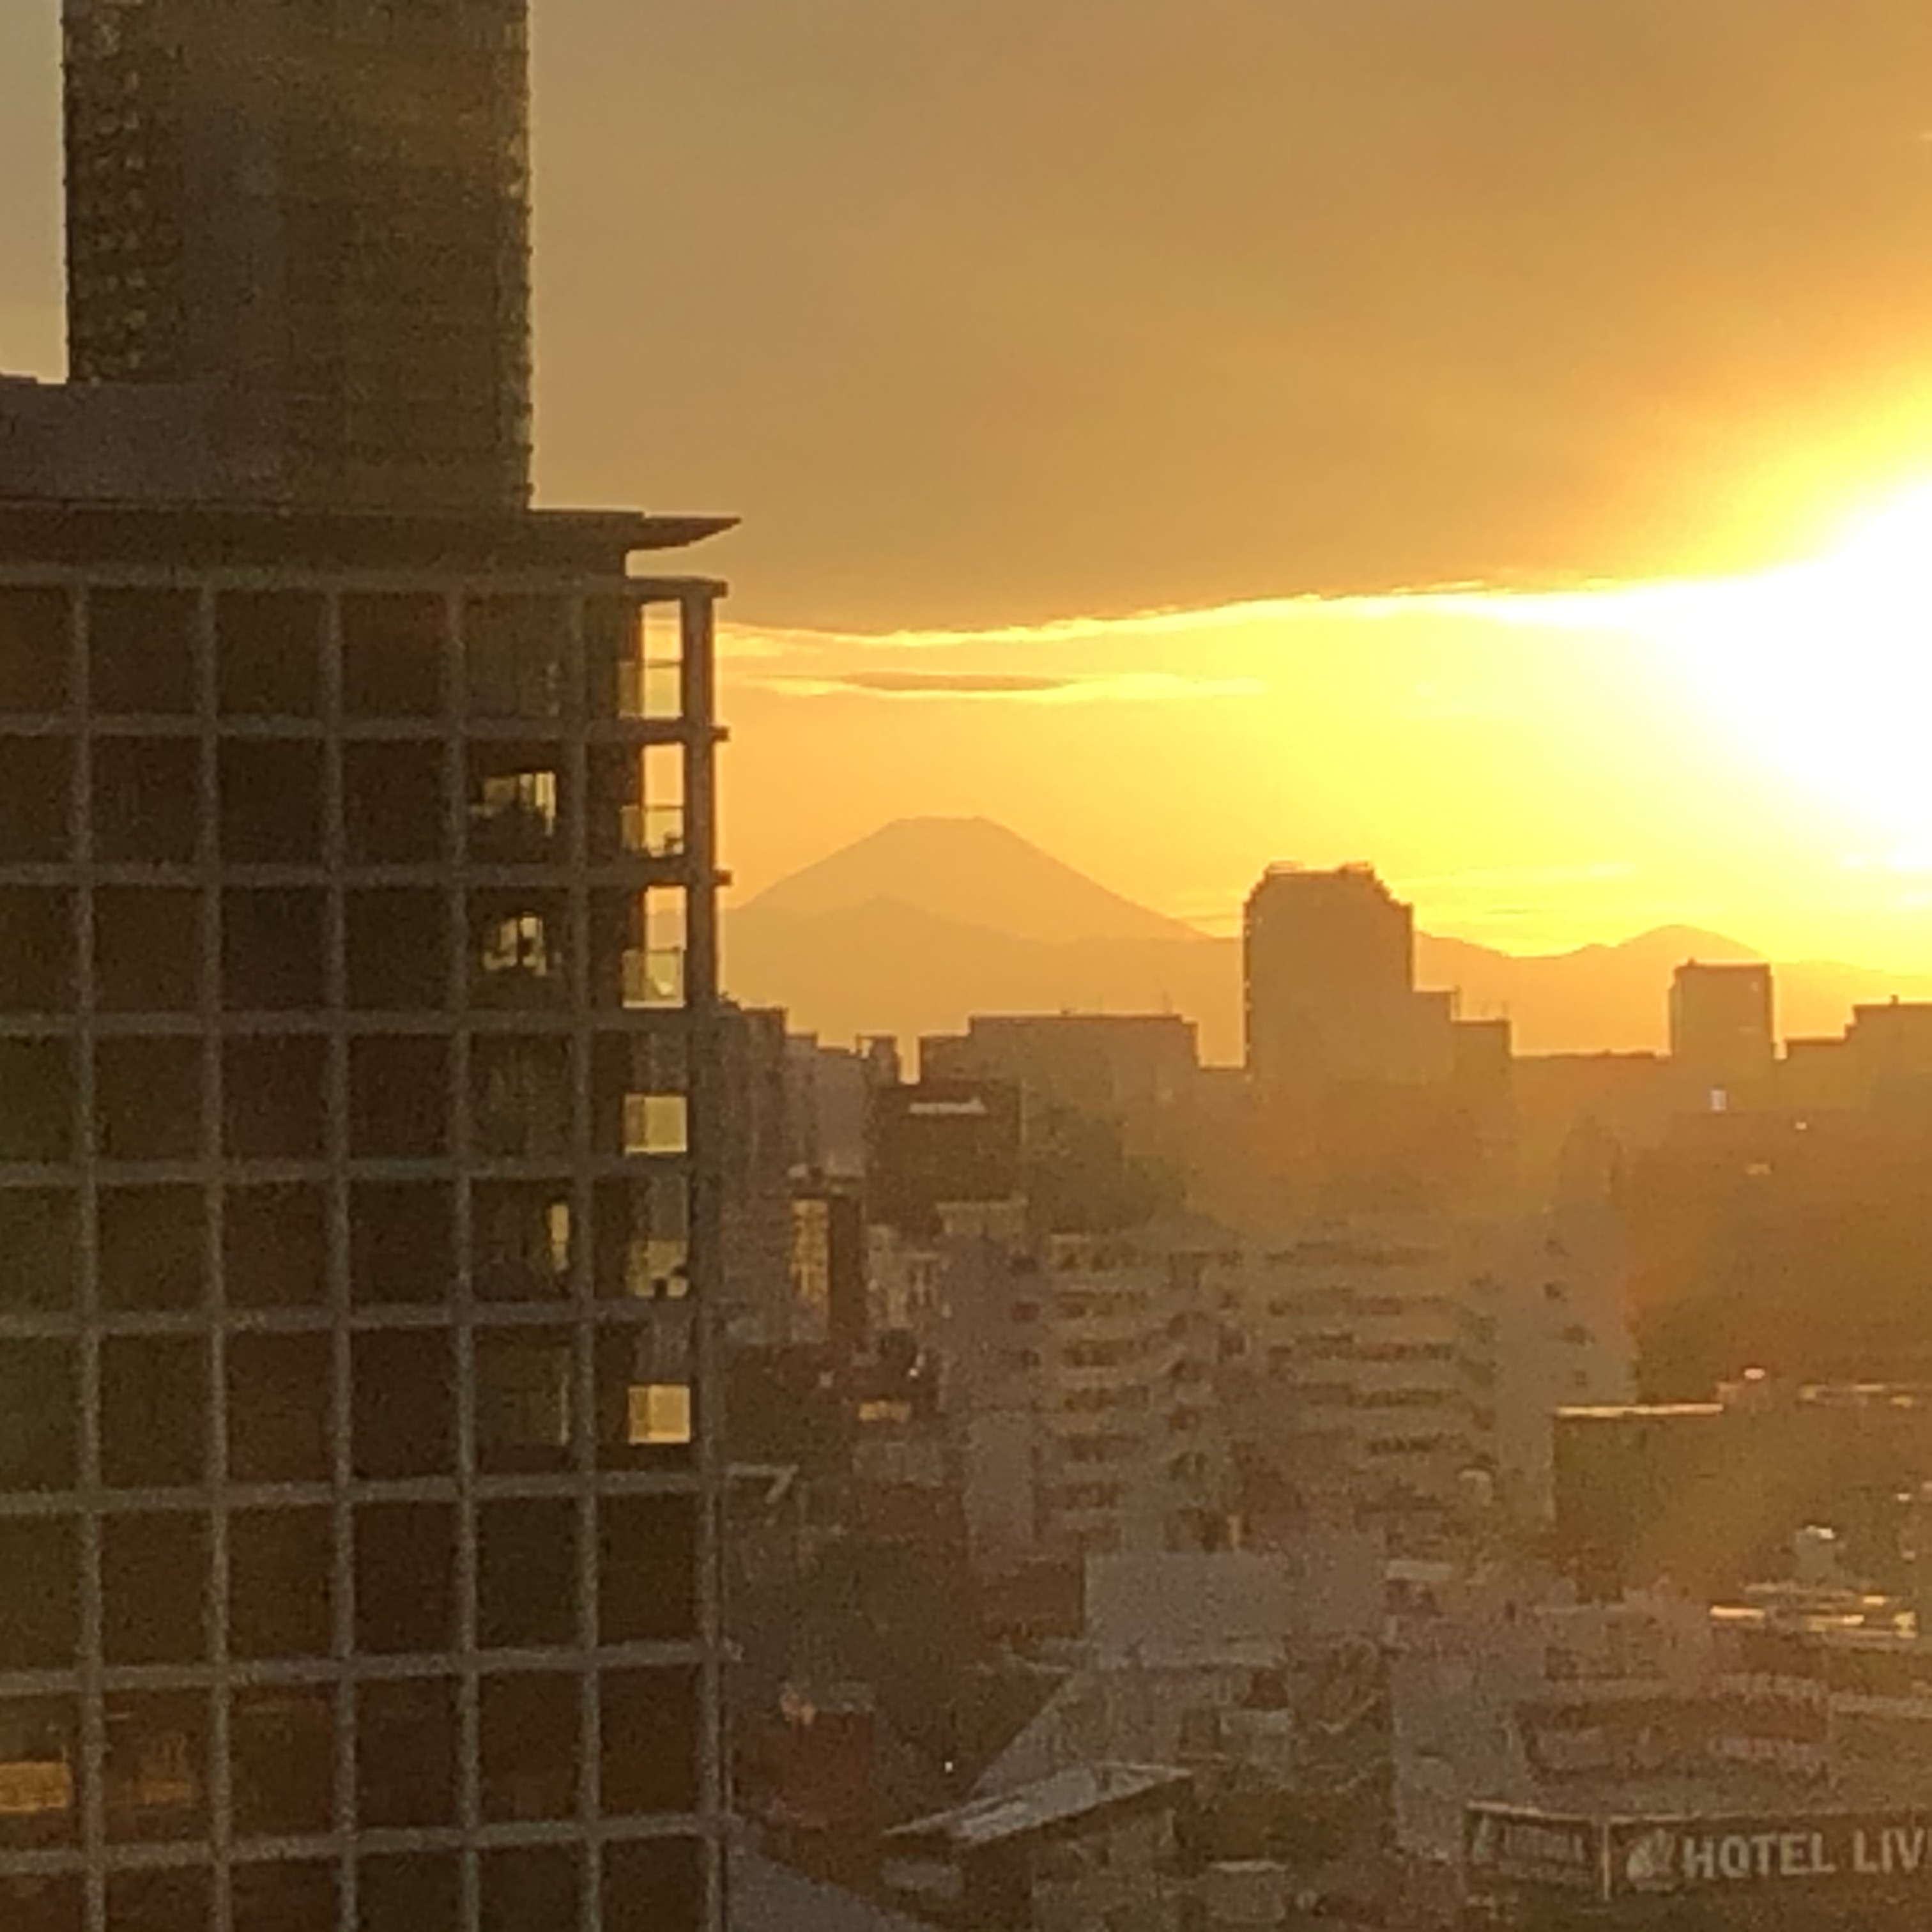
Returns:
point(1823, 667)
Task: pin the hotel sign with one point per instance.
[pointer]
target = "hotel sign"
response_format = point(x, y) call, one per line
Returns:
point(1505, 1847)
point(1507, 1844)
point(1711, 1855)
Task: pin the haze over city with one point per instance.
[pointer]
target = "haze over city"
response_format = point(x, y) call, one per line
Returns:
point(1002, 325)
point(1017, 1019)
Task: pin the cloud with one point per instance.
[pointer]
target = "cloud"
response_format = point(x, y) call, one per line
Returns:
point(985, 314)
point(1127, 687)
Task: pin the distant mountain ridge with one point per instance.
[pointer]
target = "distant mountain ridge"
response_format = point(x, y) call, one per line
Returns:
point(928, 921)
point(969, 869)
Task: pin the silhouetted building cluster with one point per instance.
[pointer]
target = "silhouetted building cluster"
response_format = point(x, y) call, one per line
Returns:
point(1355, 1333)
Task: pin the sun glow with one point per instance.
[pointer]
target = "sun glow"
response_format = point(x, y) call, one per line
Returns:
point(1822, 667)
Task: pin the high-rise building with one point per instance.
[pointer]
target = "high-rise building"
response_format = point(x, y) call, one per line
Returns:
point(1720, 1024)
point(315, 212)
point(358, 1226)
point(361, 1145)
point(1329, 980)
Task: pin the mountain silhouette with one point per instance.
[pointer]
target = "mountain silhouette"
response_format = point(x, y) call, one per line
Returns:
point(973, 871)
point(929, 920)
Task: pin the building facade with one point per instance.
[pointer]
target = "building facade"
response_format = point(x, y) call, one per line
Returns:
point(1721, 1028)
point(1328, 983)
point(359, 1243)
point(316, 212)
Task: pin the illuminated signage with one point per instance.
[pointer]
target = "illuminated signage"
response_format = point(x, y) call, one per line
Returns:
point(1706, 1855)
point(1505, 1846)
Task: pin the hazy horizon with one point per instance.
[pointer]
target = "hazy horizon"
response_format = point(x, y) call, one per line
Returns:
point(998, 325)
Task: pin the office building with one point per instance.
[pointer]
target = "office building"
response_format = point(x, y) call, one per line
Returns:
point(1107, 1064)
point(362, 1148)
point(1720, 1025)
point(1328, 964)
point(358, 1495)
point(314, 214)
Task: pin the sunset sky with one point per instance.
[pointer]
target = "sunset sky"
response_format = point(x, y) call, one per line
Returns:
point(1003, 321)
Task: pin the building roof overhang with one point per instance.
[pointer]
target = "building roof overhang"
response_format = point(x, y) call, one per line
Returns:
point(87, 532)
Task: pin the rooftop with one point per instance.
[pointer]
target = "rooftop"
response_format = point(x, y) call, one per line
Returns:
point(241, 536)
point(1069, 1799)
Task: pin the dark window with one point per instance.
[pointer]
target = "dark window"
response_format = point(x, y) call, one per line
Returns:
point(271, 803)
point(521, 1241)
point(147, 800)
point(398, 1098)
point(419, 1892)
point(36, 1123)
point(147, 949)
point(280, 1582)
point(39, 1231)
point(147, 1098)
point(279, 1404)
point(40, 1604)
point(643, 1237)
point(282, 1744)
point(284, 1897)
point(36, 781)
point(525, 1399)
point(168, 1901)
point(515, 656)
point(272, 1098)
point(651, 1885)
point(519, 1095)
point(613, 641)
point(402, 1243)
point(392, 654)
point(405, 1754)
point(405, 1577)
point(275, 1244)
point(394, 803)
point(30, 1904)
point(267, 658)
point(157, 1765)
point(153, 1411)
point(154, 1589)
point(515, 804)
point(529, 1730)
point(34, 651)
point(526, 1572)
point(398, 951)
point(404, 1405)
point(37, 956)
point(153, 1247)
point(647, 1571)
point(142, 650)
point(533, 1885)
point(616, 828)
point(623, 971)
point(43, 1733)
point(40, 1410)
point(274, 951)
point(649, 1738)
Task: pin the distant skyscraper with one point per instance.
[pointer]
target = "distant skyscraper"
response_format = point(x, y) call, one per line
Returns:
point(317, 210)
point(1329, 979)
point(1721, 1032)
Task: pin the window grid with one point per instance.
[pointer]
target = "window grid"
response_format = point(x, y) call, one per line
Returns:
point(210, 1163)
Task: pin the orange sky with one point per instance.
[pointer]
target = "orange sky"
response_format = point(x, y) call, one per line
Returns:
point(982, 315)
point(1535, 772)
